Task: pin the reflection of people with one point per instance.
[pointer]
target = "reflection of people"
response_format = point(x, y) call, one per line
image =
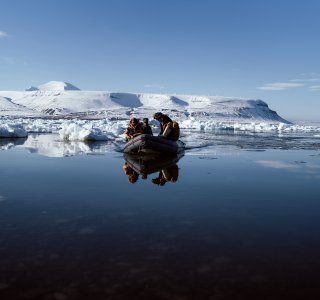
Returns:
point(132, 174)
point(163, 167)
point(168, 129)
point(146, 127)
point(133, 129)
point(170, 173)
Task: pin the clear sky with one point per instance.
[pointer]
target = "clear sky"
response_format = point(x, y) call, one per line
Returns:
point(259, 49)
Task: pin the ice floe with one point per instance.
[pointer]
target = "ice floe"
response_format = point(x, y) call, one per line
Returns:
point(12, 131)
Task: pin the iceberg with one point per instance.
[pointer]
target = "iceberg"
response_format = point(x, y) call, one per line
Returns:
point(12, 131)
point(74, 132)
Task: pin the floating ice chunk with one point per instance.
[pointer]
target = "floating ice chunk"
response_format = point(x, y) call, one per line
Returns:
point(74, 132)
point(301, 128)
point(12, 131)
point(191, 124)
point(39, 126)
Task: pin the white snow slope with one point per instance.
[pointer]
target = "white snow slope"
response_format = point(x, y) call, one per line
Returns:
point(61, 98)
point(7, 107)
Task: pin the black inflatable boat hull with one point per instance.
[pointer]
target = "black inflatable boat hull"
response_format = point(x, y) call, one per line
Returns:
point(146, 143)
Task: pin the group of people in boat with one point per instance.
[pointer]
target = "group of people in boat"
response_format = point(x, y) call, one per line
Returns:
point(135, 127)
point(168, 129)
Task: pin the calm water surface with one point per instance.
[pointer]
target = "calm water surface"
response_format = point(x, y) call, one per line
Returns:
point(238, 223)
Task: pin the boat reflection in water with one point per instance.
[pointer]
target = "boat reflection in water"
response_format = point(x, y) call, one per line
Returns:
point(167, 167)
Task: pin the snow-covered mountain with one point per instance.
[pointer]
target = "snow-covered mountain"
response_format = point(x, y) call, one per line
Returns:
point(61, 98)
point(54, 86)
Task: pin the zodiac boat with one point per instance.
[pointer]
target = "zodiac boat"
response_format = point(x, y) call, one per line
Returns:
point(148, 144)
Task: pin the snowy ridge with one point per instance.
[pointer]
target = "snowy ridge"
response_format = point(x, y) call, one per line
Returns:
point(7, 105)
point(9, 108)
point(54, 86)
point(61, 98)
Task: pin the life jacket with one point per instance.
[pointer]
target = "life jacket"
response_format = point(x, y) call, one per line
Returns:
point(164, 120)
point(134, 129)
point(147, 129)
point(175, 130)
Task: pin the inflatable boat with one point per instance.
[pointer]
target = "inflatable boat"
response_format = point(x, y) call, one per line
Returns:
point(146, 144)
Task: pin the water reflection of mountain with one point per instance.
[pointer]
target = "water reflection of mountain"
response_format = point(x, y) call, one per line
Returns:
point(167, 167)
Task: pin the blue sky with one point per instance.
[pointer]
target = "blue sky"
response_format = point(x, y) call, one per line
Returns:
point(259, 49)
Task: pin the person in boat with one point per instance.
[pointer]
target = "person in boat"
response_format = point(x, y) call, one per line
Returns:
point(146, 127)
point(170, 174)
point(133, 129)
point(168, 129)
point(132, 174)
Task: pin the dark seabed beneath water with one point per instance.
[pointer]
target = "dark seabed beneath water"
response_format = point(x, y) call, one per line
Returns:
point(234, 223)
